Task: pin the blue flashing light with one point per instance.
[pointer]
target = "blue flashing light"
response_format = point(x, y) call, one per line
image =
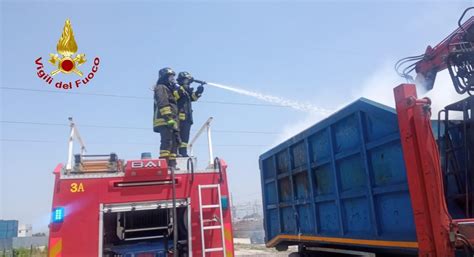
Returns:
point(58, 215)
point(224, 202)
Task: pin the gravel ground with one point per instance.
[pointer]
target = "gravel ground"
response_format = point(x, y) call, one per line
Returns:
point(259, 251)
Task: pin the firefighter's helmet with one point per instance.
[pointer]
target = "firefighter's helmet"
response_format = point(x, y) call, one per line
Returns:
point(184, 75)
point(165, 73)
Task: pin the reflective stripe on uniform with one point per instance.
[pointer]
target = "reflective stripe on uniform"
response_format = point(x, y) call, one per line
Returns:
point(195, 97)
point(159, 122)
point(165, 110)
point(165, 153)
point(182, 116)
point(183, 145)
point(172, 156)
point(176, 94)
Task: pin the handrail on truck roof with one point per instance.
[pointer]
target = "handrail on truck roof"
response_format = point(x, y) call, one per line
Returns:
point(73, 135)
point(206, 126)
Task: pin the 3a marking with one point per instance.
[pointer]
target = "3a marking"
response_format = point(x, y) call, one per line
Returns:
point(77, 188)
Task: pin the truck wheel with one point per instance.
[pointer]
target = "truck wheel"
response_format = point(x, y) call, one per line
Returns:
point(281, 248)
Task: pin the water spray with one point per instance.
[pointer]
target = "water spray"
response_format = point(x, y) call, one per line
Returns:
point(275, 100)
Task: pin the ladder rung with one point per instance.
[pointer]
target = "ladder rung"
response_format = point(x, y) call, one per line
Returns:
point(219, 225)
point(212, 227)
point(208, 250)
point(210, 206)
point(208, 186)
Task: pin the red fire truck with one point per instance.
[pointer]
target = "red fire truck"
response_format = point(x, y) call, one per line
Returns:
point(104, 206)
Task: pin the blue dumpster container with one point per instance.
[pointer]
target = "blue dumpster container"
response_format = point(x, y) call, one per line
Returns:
point(341, 183)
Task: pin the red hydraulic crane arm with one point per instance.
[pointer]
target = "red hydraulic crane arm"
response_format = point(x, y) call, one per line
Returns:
point(455, 53)
point(432, 220)
point(434, 59)
point(437, 233)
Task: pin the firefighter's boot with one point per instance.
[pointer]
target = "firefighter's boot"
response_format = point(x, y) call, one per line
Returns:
point(172, 164)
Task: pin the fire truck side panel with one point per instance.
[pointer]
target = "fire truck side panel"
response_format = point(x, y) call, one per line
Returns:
point(78, 234)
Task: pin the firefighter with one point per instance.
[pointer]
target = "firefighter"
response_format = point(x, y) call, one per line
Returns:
point(165, 117)
point(186, 95)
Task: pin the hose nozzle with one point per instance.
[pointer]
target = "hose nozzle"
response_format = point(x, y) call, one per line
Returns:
point(200, 81)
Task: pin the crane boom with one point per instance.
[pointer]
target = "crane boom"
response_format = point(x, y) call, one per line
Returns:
point(455, 53)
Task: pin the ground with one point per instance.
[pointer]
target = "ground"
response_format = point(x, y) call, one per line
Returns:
point(257, 250)
point(254, 250)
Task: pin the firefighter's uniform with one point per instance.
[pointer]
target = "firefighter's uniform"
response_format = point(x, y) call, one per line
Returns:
point(165, 121)
point(186, 96)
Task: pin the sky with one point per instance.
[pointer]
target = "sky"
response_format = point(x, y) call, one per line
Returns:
point(326, 54)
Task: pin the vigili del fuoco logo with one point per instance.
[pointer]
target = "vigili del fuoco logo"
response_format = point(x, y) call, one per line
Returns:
point(66, 61)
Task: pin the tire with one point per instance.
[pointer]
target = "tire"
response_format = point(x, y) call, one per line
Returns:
point(281, 248)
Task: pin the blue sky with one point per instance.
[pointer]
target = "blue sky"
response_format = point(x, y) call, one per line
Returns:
point(322, 53)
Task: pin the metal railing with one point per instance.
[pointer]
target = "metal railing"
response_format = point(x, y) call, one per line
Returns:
point(73, 135)
point(205, 127)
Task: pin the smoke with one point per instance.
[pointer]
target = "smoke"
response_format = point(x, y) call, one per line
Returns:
point(442, 95)
point(379, 87)
point(294, 128)
point(306, 107)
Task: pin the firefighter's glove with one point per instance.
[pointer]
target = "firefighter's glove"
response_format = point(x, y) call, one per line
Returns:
point(199, 90)
point(171, 123)
point(181, 92)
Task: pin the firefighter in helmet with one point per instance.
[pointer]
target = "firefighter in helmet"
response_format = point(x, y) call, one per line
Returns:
point(165, 117)
point(186, 95)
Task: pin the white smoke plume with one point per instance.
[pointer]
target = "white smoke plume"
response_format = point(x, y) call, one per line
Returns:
point(379, 87)
point(296, 127)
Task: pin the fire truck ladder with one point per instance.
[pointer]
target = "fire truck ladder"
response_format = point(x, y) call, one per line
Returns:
point(219, 226)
